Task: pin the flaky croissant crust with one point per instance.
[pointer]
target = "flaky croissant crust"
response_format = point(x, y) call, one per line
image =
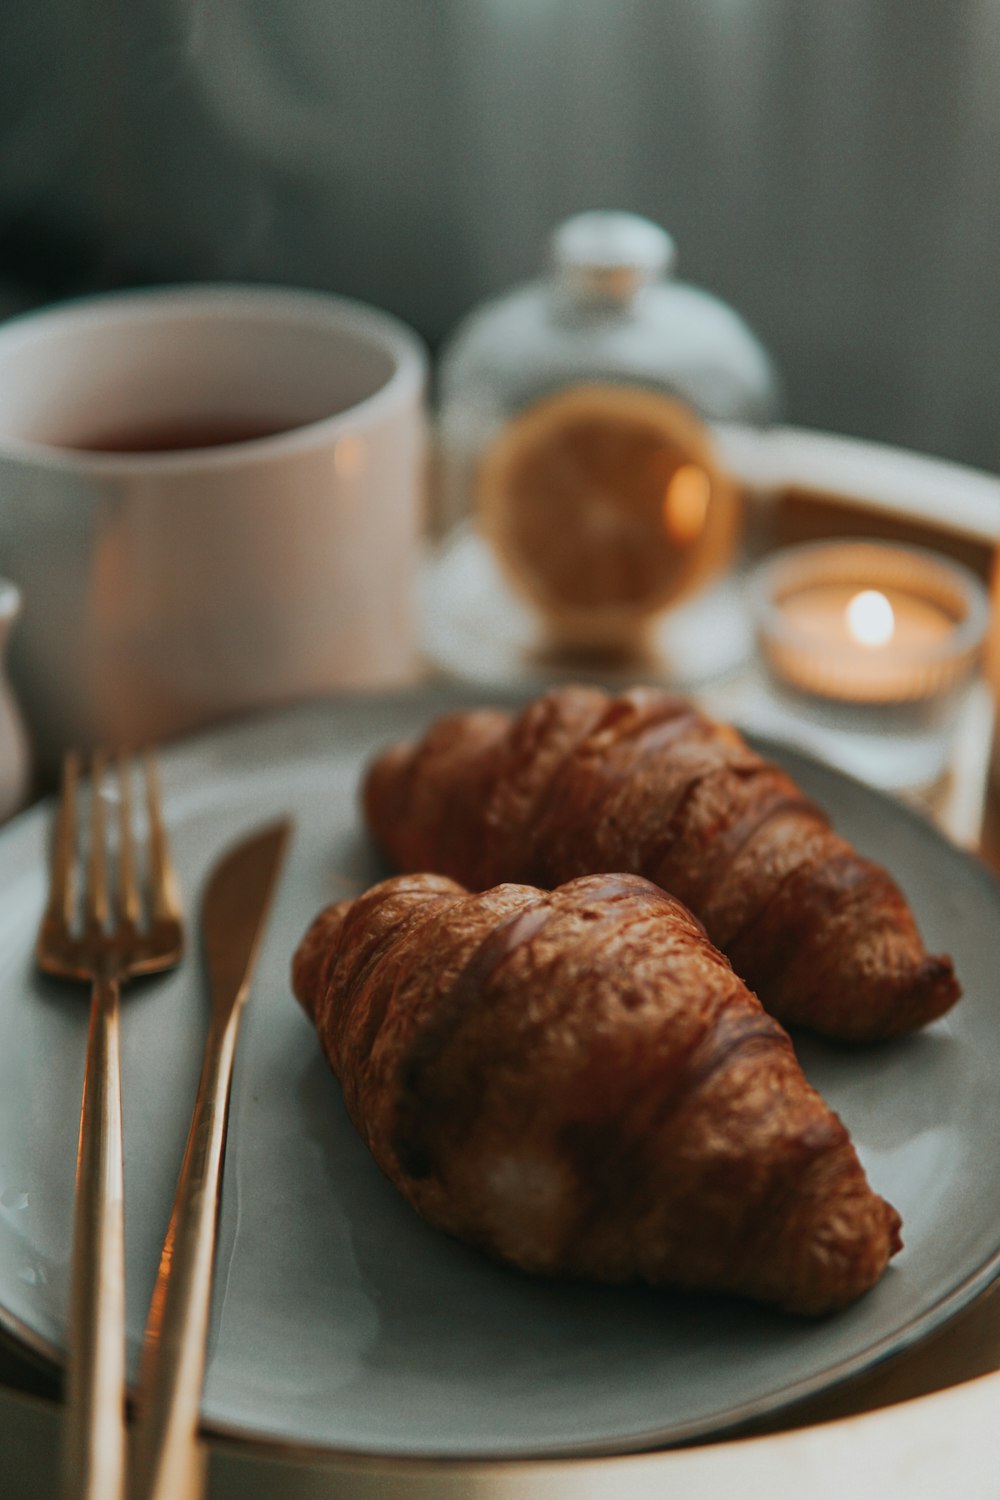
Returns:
point(578, 1083)
point(581, 782)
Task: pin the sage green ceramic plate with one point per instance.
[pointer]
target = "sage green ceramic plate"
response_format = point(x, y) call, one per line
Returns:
point(341, 1321)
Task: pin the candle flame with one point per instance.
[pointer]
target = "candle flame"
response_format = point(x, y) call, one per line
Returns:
point(870, 620)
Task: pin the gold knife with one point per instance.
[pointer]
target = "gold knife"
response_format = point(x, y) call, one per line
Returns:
point(168, 1461)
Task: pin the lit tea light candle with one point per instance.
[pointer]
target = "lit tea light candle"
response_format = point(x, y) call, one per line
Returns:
point(870, 648)
point(866, 622)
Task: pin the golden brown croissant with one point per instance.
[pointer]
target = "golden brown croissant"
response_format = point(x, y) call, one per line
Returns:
point(577, 1082)
point(580, 782)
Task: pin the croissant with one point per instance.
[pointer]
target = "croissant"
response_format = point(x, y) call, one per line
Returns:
point(577, 1082)
point(580, 782)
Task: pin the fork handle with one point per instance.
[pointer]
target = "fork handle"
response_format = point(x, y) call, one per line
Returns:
point(169, 1461)
point(94, 1455)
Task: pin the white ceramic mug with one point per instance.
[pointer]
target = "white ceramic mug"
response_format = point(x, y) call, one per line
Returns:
point(177, 585)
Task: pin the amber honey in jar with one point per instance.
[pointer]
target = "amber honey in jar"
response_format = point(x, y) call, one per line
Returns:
point(605, 505)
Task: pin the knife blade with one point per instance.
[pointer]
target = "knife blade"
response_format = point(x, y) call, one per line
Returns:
point(234, 911)
point(168, 1459)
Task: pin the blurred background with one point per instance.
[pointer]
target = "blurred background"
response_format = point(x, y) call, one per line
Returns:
point(829, 167)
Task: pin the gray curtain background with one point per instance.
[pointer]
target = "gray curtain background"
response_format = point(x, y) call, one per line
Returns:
point(830, 167)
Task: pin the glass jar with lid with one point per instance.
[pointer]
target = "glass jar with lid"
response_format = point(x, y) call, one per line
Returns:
point(574, 432)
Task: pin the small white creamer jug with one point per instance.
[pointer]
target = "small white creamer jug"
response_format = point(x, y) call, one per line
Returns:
point(15, 757)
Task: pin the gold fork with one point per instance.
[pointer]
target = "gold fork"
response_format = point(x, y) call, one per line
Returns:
point(113, 940)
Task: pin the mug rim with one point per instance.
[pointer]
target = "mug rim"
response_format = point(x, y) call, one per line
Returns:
point(168, 302)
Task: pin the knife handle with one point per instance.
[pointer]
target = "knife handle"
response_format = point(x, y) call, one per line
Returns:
point(168, 1460)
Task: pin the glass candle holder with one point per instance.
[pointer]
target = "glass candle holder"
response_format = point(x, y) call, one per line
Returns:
point(870, 650)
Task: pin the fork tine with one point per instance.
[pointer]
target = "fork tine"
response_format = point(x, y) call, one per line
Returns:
point(163, 894)
point(128, 906)
point(96, 901)
point(62, 887)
